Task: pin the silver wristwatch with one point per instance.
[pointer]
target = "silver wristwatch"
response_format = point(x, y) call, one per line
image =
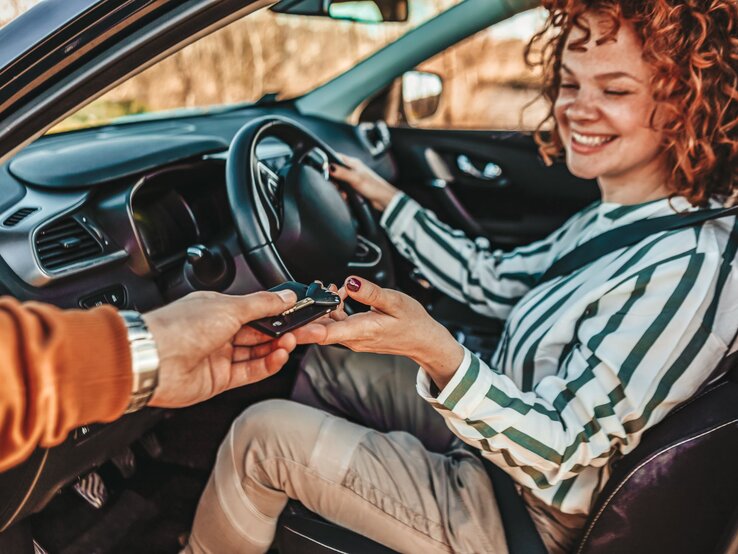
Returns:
point(144, 360)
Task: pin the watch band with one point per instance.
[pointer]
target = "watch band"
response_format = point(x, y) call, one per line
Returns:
point(144, 360)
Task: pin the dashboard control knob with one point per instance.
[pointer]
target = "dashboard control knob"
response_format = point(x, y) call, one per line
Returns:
point(198, 253)
point(209, 268)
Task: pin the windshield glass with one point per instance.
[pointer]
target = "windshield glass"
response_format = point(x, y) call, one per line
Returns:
point(262, 53)
point(10, 9)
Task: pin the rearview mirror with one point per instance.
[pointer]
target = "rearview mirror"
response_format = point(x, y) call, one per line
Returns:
point(421, 95)
point(361, 11)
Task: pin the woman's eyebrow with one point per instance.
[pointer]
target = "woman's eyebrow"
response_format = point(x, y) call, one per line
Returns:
point(606, 76)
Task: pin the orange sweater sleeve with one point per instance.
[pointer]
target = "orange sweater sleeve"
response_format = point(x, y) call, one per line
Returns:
point(59, 369)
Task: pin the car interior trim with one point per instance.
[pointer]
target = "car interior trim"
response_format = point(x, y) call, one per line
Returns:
point(29, 491)
point(99, 162)
point(111, 67)
point(72, 50)
point(17, 242)
point(314, 540)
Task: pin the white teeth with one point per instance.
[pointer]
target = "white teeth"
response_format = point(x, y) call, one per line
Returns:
point(589, 140)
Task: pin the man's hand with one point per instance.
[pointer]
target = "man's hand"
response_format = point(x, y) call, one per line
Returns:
point(204, 348)
point(396, 324)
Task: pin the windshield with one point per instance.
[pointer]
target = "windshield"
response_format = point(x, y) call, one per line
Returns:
point(10, 9)
point(261, 54)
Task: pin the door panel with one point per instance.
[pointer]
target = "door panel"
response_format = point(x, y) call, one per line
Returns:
point(495, 183)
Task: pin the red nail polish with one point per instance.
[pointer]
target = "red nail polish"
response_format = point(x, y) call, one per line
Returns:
point(353, 284)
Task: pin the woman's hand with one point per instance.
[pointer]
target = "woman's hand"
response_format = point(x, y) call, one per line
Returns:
point(396, 324)
point(364, 181)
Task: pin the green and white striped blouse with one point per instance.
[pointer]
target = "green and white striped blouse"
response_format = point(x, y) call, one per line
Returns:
point(587, 362)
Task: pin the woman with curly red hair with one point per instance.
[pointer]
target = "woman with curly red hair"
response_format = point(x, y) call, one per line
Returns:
point(644, 98)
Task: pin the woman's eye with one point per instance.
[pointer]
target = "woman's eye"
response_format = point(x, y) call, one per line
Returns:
point(569, 86)
point(614, 92)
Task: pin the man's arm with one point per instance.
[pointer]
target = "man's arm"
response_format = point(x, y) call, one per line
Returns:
point(58, 369)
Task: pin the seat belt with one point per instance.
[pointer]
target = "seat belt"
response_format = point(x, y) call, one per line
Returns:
point(520, 531)
point(627, 235)
point(521, 534)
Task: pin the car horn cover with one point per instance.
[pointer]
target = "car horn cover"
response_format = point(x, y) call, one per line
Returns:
point(317, 232)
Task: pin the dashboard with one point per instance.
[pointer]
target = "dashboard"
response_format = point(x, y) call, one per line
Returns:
point(110, 216)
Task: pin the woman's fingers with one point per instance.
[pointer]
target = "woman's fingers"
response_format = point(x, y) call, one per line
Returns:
point(359, 327)
point(312, 333)
point(345, 174)
point(385, 300)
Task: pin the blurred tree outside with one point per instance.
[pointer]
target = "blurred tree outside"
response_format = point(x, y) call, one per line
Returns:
point(486, 82)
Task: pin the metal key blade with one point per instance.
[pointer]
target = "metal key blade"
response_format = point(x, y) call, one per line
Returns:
point(304, 303)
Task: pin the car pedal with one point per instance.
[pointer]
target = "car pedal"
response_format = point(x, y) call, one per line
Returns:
point(38, 549)
point(92, 489)
point(125, 461)
point(151, 445)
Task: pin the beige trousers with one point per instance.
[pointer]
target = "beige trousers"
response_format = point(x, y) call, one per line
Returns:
point(383, 464)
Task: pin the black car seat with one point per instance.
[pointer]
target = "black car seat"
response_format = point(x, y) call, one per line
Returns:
point(677, 492)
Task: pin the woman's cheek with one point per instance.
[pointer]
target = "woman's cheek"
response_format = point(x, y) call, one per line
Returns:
point(562, 121)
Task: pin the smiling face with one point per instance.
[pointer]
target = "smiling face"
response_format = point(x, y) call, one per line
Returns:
point(604, 110)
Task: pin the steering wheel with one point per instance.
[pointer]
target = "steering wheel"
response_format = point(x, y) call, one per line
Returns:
point(297, 224)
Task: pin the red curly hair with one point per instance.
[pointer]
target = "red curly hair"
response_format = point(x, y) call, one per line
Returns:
point(692, 47)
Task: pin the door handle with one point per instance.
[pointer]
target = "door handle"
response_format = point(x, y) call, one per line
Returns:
point(490, 172)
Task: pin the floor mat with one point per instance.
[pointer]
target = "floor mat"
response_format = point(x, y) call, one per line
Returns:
point(108, 533)
point(150, 513)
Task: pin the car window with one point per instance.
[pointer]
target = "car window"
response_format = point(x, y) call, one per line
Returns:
point(485, 82)
point(10, 9)
point(262, 53)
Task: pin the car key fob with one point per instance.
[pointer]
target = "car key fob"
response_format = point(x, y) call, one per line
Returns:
point(313, 301)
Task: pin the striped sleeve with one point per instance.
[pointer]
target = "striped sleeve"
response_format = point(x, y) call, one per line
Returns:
point(641, 349)
point(490, 282)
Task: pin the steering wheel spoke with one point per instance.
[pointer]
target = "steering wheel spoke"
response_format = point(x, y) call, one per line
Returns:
point(269, 187)
point(368, 254)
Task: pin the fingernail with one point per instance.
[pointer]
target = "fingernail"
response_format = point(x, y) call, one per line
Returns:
point(353, 284)
point(287, 295)
point(333, 168)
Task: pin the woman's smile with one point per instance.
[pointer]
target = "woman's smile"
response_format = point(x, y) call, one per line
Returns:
point(585, 143)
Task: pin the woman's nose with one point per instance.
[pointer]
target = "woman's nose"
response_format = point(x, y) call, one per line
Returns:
point(582, 108)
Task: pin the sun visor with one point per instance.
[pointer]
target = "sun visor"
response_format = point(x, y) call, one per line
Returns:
point(86, 164)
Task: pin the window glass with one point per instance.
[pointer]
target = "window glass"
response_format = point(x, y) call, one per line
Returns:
point(10, 9)
point(262, 53)
point(486, 82)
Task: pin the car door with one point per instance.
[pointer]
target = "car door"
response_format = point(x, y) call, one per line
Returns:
point(489, 184)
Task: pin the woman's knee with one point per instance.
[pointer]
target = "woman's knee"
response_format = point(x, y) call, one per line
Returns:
point(280, 434)
point(275, 429)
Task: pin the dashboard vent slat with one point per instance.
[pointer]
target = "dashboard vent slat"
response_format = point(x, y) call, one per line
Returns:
point(18, 216)
point(65, 242)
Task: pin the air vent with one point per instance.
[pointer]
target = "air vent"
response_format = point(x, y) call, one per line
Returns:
point(65, 242)
point(19, 216)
